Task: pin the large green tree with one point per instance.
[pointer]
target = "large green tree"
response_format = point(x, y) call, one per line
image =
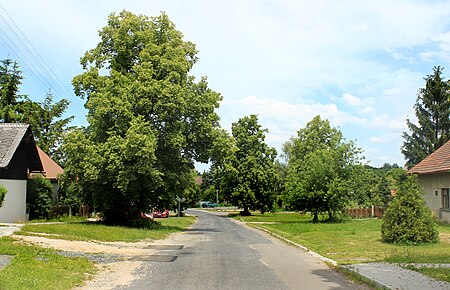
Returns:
point(432, 110)
point(320, 165)
point(139, 74)
point(249, 177)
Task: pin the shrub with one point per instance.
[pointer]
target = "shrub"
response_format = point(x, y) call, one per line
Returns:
point(3, 192)
point(407, 218)
point(40, 197)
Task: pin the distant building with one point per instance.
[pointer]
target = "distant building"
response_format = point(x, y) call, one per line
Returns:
point(51, 171)
point(434, 175)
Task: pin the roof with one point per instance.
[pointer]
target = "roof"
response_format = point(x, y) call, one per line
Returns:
point(436, 162)
point(11, 135)
point(51, 168)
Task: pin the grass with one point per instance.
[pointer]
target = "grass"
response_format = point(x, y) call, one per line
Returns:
point(37, 268)
point(356, 241)
point(87, 231)
point(437, 273)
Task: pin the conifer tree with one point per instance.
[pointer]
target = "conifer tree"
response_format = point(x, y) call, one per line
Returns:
point(432, 111)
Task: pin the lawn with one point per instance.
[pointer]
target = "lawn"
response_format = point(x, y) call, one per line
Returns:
point(37, 268)
point(86, 231)
point(356, 241)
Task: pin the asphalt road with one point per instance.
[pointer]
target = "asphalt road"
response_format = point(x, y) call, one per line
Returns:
point(219, 253)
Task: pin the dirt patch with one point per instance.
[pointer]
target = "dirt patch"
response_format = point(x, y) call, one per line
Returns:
point(445, 238)
point(109, 275)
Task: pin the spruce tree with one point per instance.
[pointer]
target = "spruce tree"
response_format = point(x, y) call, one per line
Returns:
point(432, 111)
point(10, 79)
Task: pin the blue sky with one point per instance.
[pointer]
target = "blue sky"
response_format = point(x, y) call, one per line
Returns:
point(357, 63)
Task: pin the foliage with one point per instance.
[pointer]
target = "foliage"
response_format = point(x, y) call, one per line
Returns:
point(3, 192)
point(320, 164)
point(116, 176)
point(433, 114)
point(249, 178)
point(39, 196)
point(407, 218)
point(149, 120)
point(368, 186)
point(10, 79)
point(47, 124)
point(396, 177)
point(69, 192)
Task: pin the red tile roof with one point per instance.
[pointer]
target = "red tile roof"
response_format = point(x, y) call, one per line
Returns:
point(438, 161)
point(51, 169)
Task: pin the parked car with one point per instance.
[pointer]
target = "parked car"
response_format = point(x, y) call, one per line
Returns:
point(208, 204)
point(148, 216)
point(157, 213)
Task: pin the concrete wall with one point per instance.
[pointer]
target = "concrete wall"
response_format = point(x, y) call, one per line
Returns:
point(433, 184)
point(14, 206)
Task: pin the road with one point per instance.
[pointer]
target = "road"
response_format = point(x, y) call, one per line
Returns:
point(219, 253)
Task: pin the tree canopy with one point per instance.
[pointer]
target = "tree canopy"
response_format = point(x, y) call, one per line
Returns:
point(149, 120)
point(320, 164)
point(432, 109)
point(249, 178)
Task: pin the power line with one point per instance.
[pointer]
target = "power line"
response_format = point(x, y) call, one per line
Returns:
point(44, 74)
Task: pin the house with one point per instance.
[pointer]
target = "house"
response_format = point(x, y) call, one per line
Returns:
point(51, 171)
point(18, 157)
point(434, 175)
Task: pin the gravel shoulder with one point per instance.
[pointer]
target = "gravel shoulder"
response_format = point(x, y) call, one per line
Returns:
point(114, 260)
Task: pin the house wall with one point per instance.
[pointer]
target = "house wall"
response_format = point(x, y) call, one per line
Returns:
point(431, 184)
point(14, 205)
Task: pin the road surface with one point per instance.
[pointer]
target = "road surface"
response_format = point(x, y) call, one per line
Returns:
point(219, 253)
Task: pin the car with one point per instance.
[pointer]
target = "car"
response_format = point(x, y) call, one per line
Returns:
point(208, 204)
point(157, 213)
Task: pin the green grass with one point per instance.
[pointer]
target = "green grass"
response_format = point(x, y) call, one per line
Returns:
point(355, 241)
point(37, 268)
point(86, 231)
point(437, 273)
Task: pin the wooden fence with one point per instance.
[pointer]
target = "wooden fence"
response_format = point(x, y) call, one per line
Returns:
point(366, 212)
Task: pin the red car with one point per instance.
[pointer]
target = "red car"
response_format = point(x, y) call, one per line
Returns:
point(157, 213)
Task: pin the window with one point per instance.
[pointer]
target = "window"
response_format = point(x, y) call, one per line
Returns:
point(444, 198)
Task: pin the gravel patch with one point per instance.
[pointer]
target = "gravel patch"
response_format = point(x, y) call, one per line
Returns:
point(5, 260)
point(97, 258)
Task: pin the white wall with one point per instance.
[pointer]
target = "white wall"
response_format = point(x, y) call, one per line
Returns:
point(14, 205)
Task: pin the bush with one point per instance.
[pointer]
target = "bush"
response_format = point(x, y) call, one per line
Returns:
point(3, 192)
point(407, 218)
point(40, 197)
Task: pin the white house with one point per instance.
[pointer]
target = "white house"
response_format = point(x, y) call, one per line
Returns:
point(18, 158)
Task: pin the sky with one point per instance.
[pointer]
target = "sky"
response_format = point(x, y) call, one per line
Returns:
point(358, 64)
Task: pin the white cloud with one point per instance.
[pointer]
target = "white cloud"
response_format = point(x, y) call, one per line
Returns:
point(351, 100)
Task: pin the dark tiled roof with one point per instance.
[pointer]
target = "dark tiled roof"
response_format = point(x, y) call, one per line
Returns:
point(438, 161)
point(10, 137)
